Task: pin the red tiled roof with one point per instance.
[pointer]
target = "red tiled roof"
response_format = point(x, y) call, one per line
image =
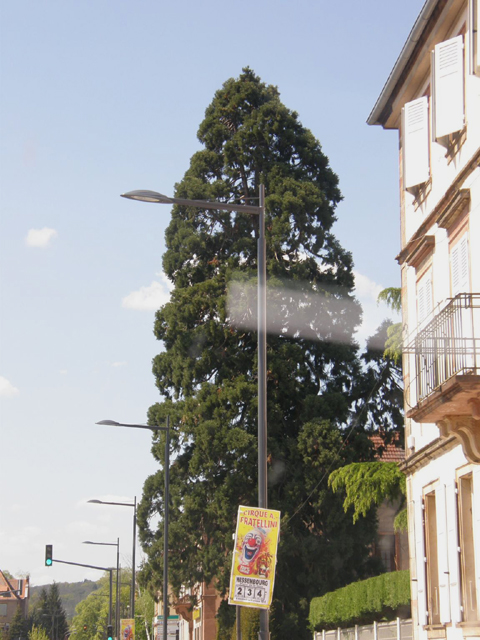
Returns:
point(391, 452)
point(11, 586)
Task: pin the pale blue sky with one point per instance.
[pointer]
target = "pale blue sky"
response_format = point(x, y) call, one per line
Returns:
point(99, 97)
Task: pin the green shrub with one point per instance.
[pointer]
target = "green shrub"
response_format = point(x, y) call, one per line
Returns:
point(384, 597)
point(250, 624)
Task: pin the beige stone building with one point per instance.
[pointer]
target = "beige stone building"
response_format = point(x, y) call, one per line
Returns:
point(432, 97)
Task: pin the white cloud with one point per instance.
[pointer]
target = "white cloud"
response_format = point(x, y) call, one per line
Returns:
point(366, 291)
point(85, 528)
point(63, 372)
point(7, 390)
point(149, 298)
point(366, 288)
point(118, 364)
point(40, 237)
point(18, 508)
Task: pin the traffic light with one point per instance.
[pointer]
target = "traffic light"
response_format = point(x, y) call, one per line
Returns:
point(48, 555)
point(109, 632)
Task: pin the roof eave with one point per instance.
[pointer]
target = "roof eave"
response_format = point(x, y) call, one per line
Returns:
point(382, 109)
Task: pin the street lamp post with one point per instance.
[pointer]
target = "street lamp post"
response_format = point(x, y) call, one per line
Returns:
point(112, 423)
point(117, 604)
point(153, 196)
point(134, 505)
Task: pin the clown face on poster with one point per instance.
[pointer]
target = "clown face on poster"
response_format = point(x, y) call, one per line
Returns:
point(254, 557)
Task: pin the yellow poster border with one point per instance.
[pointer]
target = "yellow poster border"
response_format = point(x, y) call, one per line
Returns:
point(254, 558)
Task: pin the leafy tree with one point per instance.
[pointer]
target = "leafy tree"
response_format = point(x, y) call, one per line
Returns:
point(392, 296)
point(394, 342)
point(207, 372)
point(38, 633)
point(379, 390)
point(144, 613)
point(368, 484)
point(91, 614)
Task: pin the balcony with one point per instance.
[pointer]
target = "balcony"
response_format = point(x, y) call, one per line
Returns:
point(447, 370)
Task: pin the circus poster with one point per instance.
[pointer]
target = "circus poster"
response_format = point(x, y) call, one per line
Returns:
point(254, 557)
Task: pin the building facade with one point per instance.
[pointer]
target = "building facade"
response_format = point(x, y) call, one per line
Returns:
point(432, 97)
point(14, 594)
point(192, 616)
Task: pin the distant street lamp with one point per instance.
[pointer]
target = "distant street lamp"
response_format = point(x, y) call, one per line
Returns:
point(166, 465)
point(117, 605)
point(134, 505)
point(153, 196)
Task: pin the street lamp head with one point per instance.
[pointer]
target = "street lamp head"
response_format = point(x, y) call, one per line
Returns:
point(113, 423)
point(147, 196)
point(95, 501)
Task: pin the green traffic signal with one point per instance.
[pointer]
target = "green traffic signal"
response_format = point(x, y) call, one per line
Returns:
point(109, 632)
point(48, 555)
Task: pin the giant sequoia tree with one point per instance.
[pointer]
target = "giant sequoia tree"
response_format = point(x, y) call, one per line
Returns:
point(207, 371)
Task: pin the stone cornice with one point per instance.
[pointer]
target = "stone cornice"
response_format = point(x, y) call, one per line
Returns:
point(424, 455)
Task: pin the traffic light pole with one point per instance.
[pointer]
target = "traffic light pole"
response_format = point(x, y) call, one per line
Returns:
point(91, 566)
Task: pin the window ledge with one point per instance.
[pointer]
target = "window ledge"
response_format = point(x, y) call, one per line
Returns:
point(469, 629)
point(436, 631)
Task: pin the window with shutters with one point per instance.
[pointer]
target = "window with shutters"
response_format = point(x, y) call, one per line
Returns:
point(424, 297)
point(466, 548)
point(416, 152)
point(448, 89)
point(459, 271)
point(474, 29)
point(431, 553)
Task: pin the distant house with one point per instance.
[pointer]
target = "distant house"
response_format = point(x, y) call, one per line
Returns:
point(187, 622)
point(391, 546)
point(432, 98)
point(14, 594)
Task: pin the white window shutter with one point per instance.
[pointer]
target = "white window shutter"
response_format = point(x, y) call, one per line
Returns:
point(453, 557)
point(473, 26)
point(448, 87)
point(442, 547)
point(475, 36)
point(464, 263)
point(424, 297)
point(459, 266)
point(476, 520)
point(416, 165)
point(420, 564)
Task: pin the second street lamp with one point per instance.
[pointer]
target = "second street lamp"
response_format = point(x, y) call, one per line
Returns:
point(153, 196)
point(112, 423)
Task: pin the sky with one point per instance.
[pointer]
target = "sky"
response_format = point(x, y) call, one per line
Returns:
point(100, 97)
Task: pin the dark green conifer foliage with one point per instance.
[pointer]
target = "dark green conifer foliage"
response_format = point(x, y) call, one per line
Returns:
point(19, 626)
point(207, 372)
point(49, 613)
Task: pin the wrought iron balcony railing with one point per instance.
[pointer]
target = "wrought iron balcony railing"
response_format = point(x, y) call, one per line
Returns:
point(447, 346)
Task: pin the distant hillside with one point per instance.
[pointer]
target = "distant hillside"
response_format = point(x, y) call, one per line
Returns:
point(71, 593)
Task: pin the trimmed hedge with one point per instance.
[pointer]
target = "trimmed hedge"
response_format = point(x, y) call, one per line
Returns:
point(250, 624)
point(383, 597)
